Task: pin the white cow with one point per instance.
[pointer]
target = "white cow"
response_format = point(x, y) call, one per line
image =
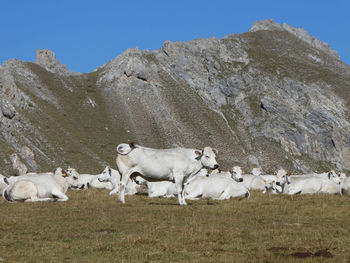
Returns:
point(112, 176)
point(235, 174)
point(165, 188)
point(272, 187)
point(254, 181)
point(41, 187)
point(90, 180)
point(175, 165)
point(313, 184)
point(161, 189)
point(214, 187)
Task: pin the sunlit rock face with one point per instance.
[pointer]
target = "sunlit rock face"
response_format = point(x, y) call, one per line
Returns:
point(272, 97)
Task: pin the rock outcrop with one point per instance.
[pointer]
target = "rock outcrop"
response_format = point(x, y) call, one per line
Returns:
point(18, 167)
point(47, 59)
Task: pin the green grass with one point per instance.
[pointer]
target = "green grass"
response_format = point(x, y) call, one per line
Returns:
point(94, 227)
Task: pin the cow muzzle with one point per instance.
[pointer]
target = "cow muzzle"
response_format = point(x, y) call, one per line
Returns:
point(240, 180)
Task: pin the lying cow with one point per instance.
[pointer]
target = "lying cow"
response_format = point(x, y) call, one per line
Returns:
point(175, 165)
point(272, 187)
point(254, 181)
point(112, 176)
point(41, 187)
point(313, 185)
point(165, 188)
point(235, 174)
point(90, 180)
point(214, 187)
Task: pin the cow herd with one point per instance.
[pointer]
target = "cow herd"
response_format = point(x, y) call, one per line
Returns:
point(178, 172)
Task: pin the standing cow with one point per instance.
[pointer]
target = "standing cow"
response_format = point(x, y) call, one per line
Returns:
point(176, 165)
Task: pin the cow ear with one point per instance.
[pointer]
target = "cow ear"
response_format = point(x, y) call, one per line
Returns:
point(329, 175)
point(64, 174)
point(199, 154)
point(288, 174)
point(215, 151)
point(264, 182)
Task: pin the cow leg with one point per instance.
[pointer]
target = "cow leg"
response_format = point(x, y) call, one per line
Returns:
point(180, 190)
point(61, 197)
point(114, 191)
point(43, 199)
point(123, 182)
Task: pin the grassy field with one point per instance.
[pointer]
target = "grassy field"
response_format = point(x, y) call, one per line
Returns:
point(93, 227)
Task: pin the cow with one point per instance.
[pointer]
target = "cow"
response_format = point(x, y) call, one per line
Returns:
point(235, 174)
point(90, 180)
point(175, 165)
point(215, 187)
point(167, 189)
point(313, 184)
point(272, 187)
point(41, 187)
point(254, 181)
point(113, 177)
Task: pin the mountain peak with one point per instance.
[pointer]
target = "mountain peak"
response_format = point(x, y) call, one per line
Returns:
point(270, 24)
point(47, 59)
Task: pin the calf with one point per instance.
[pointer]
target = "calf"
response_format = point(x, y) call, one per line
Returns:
point(113, 177)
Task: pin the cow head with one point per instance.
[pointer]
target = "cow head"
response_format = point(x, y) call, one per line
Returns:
point(236, 173)
point(110, 175)
point(334, 177)
point(106, 175)
point(282, 177)
point(207, 157)
point(72, 178)
point(272, 187)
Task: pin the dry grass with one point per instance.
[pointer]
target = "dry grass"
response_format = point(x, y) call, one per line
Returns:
point(93, 227)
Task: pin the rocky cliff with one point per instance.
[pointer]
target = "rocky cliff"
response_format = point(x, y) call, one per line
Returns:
point(272, 97)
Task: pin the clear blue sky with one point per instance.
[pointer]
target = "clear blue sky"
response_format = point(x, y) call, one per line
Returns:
point(86, 34)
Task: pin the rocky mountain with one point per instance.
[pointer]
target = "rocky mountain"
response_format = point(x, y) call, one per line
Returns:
point(271, 97)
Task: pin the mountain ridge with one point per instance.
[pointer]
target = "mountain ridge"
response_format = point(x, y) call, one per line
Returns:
point(263, 98)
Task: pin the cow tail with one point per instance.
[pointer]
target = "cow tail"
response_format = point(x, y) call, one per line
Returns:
point(125, 148)
point(6, 195)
